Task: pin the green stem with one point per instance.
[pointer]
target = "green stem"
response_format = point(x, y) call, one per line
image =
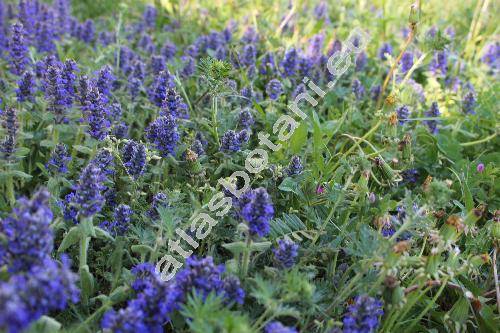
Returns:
point(214, 119)
point(486, 139)
point(84, 246)
point(246, 257)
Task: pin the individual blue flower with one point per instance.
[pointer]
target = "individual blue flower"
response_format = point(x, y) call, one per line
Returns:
point(26, 87)
point(358, 89)
point(158, 90)
point(104, 161)
point(160, 200)
point(315, 47)
point(410, 176)
point(169, 50)
point(245, 118)
point(267, 65)
point(121, 220)
point(469, 103)
point(289, 63)
point(232, 290)
point(56, 94)
point(286, 253)
point(200, 276)
point(149, 16)
point(68, 75)
point(89, 191)
point(62, 14)
point(491, 56)
point(10, 125)
point(44, 31)
point(274, 89)
point(361, 61)
point(158, 64)
point(105, 80)
point(403, 113)
point(277, 327)
point(87, 31)
point(256, 208)
point(96, 115)
point(189, 66)
point(386, 48)
point(439, 63)
point(248, 55)
point(295, 166)
point(197, 147)
point(58, 162)
point(232, 141)
point(250, 36)
point(433, 112)
point(375, 92)
point(134, 158)
point(127, 320)
point(406, 62)
point(163, 134)
point(173, 105)
point(305, 65)
point(18, 50)
point(363, 316)
point(28, 237)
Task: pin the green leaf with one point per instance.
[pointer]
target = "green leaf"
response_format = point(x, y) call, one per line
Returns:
point(299, 138)
point(45, 325)
point(83, 149)
point(236, 248)
point(22, 151)
point(72, 237)
point(86, 282)
point(19, 174)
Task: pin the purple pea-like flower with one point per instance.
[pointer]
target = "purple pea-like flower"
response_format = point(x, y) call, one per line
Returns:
point(134, 158)
point(286, 253)
point(18, 50)
point(163, 134)
point(256, 208)
point(363, 315)
point(277, 327)
point(433, 112)
point(289, 63)
point(59, 160)
point(26, 87)
point(274, 89)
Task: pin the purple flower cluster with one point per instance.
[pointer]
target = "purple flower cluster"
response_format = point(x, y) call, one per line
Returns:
point(274, 89)
point(163, 134)
point(277, 327)
point(11, 126)
point(363, 316)
point(245, 118)
point(295, 166)
point(38, 284)
point(232, 141)
point(18, 50)
point(134, 158)
point(120, 222)
point(58, 162)
point(257, 209)
point(156, 300)
point(403, 113)
point(286, 253)
point(174, 105)
point(26, 87)
point(433, 112)
point(89, 192)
